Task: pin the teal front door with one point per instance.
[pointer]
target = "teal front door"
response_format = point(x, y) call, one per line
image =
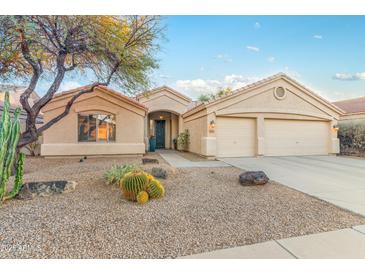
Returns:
point(160, 134)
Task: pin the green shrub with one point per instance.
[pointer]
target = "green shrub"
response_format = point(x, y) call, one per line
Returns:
point(117, 172)
point(352, 138)
point(183, 140)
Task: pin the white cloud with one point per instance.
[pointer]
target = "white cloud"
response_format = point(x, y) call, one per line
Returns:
point(196, 87)
point(318, 36)
point(349, 76)
point(257, 25)
point(224, 57)
point(237, 81)
point(271, 59)
point(67, 85)
point(252, 48)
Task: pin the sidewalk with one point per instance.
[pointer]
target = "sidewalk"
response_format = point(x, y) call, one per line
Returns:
point(346, 243)
point(176, 160)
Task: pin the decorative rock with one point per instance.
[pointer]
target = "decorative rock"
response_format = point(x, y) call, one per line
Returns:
point(149, 161)
point(250, 178)
point(32, 189)
point(159, 172)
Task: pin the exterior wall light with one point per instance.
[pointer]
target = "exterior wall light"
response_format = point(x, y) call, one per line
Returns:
point(335, 128)
point(161, 117)
point(211, 125)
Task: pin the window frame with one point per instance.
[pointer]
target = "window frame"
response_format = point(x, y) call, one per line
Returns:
point(88, 113)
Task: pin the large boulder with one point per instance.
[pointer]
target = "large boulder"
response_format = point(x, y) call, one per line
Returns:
point(159, 172)
point(149, 161)
point(32, 189)
point(250, 178)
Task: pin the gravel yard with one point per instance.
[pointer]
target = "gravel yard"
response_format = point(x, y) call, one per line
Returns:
point(204, 209)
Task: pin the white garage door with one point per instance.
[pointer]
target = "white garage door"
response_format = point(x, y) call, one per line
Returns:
point(236, 137)
point(294, 137)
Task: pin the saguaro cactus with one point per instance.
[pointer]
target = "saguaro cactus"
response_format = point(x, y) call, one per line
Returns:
point(9, 137)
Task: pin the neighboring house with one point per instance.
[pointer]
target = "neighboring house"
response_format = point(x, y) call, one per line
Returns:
point(274, 116)
point(14, 97)
point(354, 110)
point(352, 126)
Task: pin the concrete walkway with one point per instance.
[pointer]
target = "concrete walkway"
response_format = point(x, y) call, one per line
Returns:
point(338, 180)
point(341, 244)
point(175, 160)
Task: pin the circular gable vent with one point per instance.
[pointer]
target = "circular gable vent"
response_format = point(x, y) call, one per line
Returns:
point(280, 93)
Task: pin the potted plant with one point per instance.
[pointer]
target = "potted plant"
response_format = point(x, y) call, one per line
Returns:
point(152, 143)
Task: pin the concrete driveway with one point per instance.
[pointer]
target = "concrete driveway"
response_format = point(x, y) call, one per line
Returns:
point(338, 180)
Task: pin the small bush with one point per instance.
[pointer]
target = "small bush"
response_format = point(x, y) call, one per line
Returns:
point(352, 138)
point(117, 172)
point(183, 139)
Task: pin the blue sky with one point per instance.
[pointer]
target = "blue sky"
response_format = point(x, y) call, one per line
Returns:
point(204, 53)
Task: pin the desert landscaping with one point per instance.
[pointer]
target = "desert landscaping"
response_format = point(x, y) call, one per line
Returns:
point(204, 209)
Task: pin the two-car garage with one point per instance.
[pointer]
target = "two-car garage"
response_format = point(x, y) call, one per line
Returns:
point(237, 137)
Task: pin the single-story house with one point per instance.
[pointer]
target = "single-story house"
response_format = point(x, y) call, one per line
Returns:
point(274, 116)
point(354, 110)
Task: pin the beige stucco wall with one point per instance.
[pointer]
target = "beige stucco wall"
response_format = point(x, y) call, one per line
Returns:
point(62, 138)
point(197, 127)
point(261, 104)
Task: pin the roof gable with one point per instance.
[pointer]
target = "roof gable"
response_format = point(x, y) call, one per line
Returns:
point(266, 81)
point(150, 93)
point(117, 95)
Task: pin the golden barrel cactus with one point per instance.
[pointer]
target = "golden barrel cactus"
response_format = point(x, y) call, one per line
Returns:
point(142, 197)
point(133, 183)
point(155, 189)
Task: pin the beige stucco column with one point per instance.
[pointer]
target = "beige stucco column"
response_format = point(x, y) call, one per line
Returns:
point(260, 131)
point(209, 140)
point(334, 141)
point(180, 126)
point(146, 141)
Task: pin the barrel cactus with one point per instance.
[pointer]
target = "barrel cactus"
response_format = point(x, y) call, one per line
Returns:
point(9, 137)
point(142, 197)
point(155, 189)
point(132, 183)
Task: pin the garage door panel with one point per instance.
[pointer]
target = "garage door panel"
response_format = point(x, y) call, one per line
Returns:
point(236, 137)
point(295, 137)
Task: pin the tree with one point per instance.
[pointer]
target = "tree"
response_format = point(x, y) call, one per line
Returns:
point(118, 49)
point(224, 91)
point(205, 97)
point(221, 92)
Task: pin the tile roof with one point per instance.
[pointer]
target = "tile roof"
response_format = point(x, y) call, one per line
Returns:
point(352, 105)
point(158, 89)
point(122, 96)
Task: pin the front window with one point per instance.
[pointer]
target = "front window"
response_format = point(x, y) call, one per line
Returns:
point(96, 127)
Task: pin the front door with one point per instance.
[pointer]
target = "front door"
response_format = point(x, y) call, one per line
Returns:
point(160, 134)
